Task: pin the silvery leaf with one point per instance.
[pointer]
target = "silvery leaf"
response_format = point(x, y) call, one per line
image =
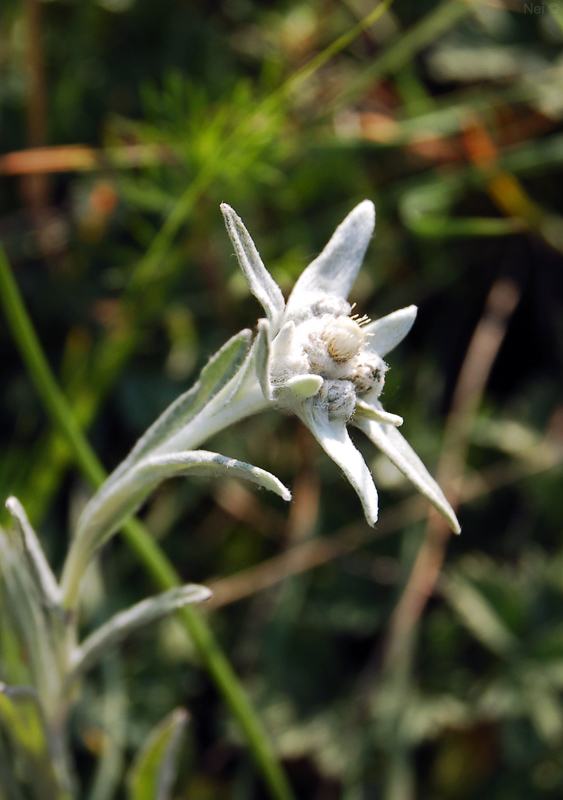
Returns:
point(262, 358)
point(24, 607)
point(122, 624)
point(333, 437)
point(22, 720)
point(261, 283)
point(386, 333)
point(114, 503)
point(399, 451)
point(39, 566)
point(218, 371)
point(153, 772)
point(375, 411)
point(334, 271)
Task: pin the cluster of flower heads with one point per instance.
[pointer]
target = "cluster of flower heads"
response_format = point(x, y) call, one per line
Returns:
point(337, 349)
point(316, 360)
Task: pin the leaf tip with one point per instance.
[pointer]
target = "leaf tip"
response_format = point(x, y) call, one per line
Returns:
point(205, 595)
point(180, 716)
point(12, 504)
point(285, 494)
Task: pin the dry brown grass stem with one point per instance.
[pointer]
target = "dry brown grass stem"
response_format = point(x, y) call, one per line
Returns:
point(80, 158)
point(480, 357)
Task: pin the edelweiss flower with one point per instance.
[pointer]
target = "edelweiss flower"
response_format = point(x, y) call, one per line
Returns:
point(317, 361)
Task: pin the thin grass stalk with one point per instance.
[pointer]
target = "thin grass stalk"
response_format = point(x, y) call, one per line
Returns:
point(400, 651)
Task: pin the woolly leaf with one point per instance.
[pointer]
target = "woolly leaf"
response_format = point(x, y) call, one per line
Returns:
point(122, 624)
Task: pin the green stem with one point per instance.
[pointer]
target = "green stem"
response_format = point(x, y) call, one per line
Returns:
point(47, 387)
point(139, 538)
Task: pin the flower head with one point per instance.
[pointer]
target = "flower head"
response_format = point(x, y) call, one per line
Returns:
point(317, 360)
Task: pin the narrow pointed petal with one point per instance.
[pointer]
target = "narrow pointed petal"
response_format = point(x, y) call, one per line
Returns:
point(334, 271)
point(386, 333)
point(333, 437)
point(376, 412)
point(399, 451)
point(282, 344)
point(261, 283)
point(262, 358)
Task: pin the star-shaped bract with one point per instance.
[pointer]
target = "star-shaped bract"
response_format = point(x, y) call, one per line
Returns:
point(313, 359)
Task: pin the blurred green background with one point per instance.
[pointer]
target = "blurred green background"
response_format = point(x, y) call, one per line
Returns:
point(389, 663)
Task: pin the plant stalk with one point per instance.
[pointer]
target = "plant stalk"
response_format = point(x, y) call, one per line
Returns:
point(139, 538)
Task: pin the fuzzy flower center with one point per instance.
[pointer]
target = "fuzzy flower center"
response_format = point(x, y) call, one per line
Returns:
point(336, 347)
point(344, 338)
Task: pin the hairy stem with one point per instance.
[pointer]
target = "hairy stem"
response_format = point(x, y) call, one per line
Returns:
point(139, 538)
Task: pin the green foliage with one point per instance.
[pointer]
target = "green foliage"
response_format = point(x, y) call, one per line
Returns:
point(21, 719)
point(152, 774)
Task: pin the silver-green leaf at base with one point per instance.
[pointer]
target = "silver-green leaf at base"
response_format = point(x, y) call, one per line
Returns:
point(122, 624)
point(24, 608)
point(22, 721)
point(153, 772)
point(39, 566)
